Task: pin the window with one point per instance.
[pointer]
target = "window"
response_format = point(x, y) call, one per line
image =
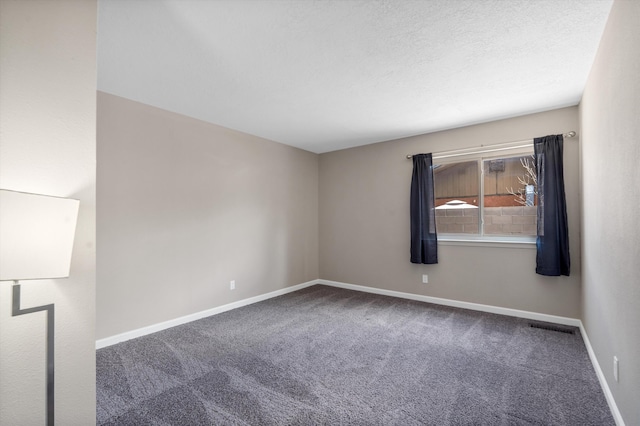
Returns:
point(486, 196)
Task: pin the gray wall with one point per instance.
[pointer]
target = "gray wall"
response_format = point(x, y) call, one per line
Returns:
point(364, 223)
point(610, 152)
point(47, 146)
point(185, 206)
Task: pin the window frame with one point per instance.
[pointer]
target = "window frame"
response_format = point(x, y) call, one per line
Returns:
point(480, 155)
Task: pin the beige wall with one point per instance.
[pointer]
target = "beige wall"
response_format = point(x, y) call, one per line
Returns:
point(184, 207)
point(610, 152)
point(47, 123)
point(364, 223)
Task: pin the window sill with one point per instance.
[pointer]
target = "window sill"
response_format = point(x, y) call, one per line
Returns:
point(495, 242)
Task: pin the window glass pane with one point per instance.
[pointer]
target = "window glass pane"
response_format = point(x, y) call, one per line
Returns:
point(510, 196)
point(457, 188)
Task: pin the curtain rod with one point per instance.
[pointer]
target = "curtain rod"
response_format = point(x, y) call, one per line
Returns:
point(489, 148)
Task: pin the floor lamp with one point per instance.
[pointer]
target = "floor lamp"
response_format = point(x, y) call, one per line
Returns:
point(36, 241)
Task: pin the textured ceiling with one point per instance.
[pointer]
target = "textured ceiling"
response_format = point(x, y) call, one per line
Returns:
point(327, 75)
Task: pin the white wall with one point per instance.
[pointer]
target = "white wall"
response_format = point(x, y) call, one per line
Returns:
point(610, 154)
point(364, 223)
point(187, 206)
point(47, 145)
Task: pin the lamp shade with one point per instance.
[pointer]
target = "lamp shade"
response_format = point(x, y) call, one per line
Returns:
point(36, 235)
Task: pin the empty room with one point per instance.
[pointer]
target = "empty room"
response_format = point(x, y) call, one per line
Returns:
point(301, 212)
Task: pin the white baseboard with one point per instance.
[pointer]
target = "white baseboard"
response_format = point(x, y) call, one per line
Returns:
point(459, 304)
point(429, 299)
point(603, 382)
point(108, 341)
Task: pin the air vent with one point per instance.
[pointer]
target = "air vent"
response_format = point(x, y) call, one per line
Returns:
point(552, 327)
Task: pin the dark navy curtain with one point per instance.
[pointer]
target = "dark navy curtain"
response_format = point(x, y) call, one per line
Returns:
point(552, 243)
point(424, 241)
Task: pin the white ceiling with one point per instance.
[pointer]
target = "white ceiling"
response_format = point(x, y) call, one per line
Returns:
point(324, 75)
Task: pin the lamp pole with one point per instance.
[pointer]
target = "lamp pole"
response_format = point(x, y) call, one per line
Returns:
point(50, 340)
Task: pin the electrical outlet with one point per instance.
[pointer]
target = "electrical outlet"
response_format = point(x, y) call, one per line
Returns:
point(425, 279)
point(232, 285)
point(616, 368)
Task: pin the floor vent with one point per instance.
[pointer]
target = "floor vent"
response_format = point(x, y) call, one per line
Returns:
point(552, 327)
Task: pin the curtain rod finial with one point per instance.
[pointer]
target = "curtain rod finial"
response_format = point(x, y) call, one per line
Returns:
point(570, 134)
point(409, 157)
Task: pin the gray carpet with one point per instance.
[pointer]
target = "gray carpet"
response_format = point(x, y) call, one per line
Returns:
point(328, 356)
